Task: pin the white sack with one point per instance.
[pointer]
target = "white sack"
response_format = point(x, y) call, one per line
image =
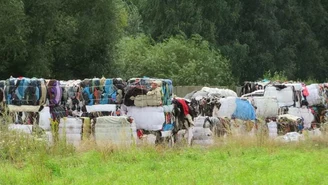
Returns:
point(21, 128)
point(304, 113)
point(284, 96)
point(101, 107)
point(228, 107)
point(148, 118)
point(44, 120)
point(266, 106)
point(314, 97)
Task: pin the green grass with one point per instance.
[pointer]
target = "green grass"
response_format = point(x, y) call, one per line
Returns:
point(242, 161)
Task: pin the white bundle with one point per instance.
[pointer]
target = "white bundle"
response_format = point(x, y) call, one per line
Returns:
point(314, 97)
point(289, 117)
point(297, 86)
point(266, 106)
point(200, 133)
point(199, 121)
point(21, 128)
point(148, 118)
point(273, 129)
point(221, 92)
point(199, 95)
point(71, 128)
point(293, 136)
point(228, 107)
point(168, 108)
point(284, 96)
point(44, 120)
point(114, 129)
point(304, 113)
point(101, 107)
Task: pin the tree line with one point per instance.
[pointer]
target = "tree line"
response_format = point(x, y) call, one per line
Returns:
point(192, 42)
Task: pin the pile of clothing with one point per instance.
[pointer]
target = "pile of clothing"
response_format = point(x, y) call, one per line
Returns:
point(98, 91)
point(142, 92)
point(149, 102)
point(25, 91)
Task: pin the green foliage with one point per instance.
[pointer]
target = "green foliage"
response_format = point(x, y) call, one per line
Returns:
point(59, 39)
point(276, 76)
point(243, 160)
point(78, 39)
point(185, 61)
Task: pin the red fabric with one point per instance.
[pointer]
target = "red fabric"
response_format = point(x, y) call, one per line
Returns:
point(139, 133)
point(305, 91)
point(184, 106)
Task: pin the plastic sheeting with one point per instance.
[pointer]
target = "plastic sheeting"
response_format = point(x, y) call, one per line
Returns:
point(199, 95)
point(289, 117)
point(114, 129)
point(228, 107)
point(168, 108)
point(221, 92)
point(44, 120)
point(199, 121)
point(284, 96)
point(314, 97)
point(148, 118)
point(244, 110)
point(273, 129)
point(304, 113)
point(291, 137)
point(266, 106)
point(100, 108)
point(72, 128)
point(21, 128)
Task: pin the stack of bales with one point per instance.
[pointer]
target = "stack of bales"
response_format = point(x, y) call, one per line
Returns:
point(202, 135)
point(149, 102)
point(71, 130)
point(119, 130)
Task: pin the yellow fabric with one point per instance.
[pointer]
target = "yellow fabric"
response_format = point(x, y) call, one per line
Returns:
point(43, 96)
point(86, 128)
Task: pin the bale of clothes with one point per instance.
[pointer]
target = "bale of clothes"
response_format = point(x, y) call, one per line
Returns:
point(233, 107)
point(54, 99)
point(144, 92)
point(100, 91)
point(25, 91)
point(115, 130)
point(149, 102)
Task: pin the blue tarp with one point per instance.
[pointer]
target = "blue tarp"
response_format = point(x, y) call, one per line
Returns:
point(244, 110)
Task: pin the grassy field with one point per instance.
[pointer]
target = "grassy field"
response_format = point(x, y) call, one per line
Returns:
point(241, 161)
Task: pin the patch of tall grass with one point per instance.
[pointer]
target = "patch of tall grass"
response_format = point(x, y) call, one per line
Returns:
point(257, 159)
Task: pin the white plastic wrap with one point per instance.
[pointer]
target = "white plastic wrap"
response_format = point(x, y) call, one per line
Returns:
point(228, 107)
point(221, 92)
point(304, 113)
point(266, 106)
point(44, 120)
point(148, 118)
point(284, 96)
point(314, 97)
point(101, 107)
point(73, 129)
point(168, 108)
point(21, 128)
point(199, 121)
point(273, 129)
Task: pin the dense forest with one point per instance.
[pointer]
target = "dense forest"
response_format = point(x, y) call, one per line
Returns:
point(192, 42)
